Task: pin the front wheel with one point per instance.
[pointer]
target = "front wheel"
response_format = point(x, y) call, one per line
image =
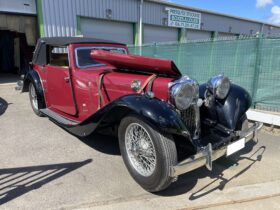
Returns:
point(147, 153)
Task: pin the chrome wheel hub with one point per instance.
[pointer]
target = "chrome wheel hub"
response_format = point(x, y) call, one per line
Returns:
point(34, 97)
point(140, 149)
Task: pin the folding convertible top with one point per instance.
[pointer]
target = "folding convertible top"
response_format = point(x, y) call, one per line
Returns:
point(40, 53)
point(63, 41)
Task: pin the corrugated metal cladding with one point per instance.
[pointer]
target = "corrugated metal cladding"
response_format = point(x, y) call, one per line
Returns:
point(60, 16)
point(155, 13)
point(227, 24)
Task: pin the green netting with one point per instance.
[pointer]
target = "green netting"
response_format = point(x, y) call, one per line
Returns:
point(253, 63)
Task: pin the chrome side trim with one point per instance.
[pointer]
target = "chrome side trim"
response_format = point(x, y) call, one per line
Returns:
point(58, 118)
point(207, 156)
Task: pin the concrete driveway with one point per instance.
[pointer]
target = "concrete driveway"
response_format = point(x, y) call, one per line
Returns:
point(44, 167)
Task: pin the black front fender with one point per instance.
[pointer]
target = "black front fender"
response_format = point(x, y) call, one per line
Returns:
point(155, 112)
point(229, 111)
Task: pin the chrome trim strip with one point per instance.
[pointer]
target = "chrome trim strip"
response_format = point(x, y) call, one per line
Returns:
point(202, 158)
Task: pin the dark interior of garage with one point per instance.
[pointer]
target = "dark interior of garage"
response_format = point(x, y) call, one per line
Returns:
point(15, 53)
point(18, 35)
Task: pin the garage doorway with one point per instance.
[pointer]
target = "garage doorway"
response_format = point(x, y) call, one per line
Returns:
point(109, 30)
point(156, 34)
point(18, 34)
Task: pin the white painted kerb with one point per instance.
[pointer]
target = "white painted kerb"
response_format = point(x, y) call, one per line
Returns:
point(263, 117)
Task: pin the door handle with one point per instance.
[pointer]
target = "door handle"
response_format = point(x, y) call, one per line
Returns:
point(66, 79)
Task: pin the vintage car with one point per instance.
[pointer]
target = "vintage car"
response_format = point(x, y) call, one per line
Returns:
point(167, 124)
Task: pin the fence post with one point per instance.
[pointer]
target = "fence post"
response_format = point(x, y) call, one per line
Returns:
point(155, 50)
point(238, 38)
point(213, 44)
point(180, 48)
point(257, 68)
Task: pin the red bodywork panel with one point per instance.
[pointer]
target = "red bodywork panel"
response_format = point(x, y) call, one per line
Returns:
point(138, 63)
point(77, 99)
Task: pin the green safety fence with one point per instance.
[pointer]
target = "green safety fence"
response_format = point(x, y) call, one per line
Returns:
point(252, 62)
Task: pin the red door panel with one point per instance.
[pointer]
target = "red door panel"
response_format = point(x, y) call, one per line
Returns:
point(59, 89)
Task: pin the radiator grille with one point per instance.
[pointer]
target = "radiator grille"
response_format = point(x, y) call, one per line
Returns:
point(192, 120)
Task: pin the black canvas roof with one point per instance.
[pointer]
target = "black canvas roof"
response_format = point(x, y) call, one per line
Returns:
point(40, 54)
point(62, 41)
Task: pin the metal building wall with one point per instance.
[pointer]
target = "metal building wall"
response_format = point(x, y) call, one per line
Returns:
point(60, 17)
point(229, 25)
point(155, 13)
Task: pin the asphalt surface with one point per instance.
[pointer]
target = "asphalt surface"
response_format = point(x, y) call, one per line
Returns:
point(44, 167)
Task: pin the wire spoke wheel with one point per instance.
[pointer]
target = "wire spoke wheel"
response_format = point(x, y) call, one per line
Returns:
point(147, 153)
point(33, 95)
point(140, 149)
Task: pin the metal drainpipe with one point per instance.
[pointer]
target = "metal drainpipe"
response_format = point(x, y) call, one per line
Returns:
point(140, 31)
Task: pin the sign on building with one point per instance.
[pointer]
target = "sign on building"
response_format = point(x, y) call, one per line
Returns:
point(183, 18)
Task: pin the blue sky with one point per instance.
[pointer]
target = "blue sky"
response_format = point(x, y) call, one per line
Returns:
point(263, 10)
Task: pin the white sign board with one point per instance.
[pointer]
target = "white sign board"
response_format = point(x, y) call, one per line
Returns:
point(183, 18)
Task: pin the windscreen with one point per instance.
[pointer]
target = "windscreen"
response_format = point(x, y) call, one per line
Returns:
point(84, 60)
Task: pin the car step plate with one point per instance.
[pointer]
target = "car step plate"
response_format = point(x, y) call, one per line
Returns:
point(236, 146)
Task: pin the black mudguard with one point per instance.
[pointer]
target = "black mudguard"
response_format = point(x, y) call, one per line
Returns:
point(227, 112)
point(33, 76)
point(155, 112)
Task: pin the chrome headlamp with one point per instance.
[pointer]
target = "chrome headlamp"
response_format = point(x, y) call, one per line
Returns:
point(183, 93)
point(219, 86)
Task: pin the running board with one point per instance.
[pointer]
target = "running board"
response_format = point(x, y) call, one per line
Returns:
point(58, 118)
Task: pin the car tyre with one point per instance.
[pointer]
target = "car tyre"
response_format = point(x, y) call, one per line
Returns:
point(34, 100)
point(147, 153)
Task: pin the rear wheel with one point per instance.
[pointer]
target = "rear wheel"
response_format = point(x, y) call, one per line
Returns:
point(147, 153)
point(34, 100)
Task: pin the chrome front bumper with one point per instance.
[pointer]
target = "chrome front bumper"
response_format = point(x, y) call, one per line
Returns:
point(207, 156)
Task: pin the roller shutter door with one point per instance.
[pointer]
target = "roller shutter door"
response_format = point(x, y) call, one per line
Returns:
point(226, 35)
point(109, 30)
point(160, 34)
point(198, 35)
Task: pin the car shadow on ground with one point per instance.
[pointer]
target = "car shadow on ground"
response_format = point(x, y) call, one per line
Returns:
point(15, 182)
point(187, 181)
point(102, 143)
point(3, 106)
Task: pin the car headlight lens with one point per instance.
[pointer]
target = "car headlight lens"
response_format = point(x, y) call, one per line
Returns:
point(219, 86)
point(184, 94)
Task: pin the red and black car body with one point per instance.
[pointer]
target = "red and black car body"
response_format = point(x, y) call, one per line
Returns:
point(85, 84)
